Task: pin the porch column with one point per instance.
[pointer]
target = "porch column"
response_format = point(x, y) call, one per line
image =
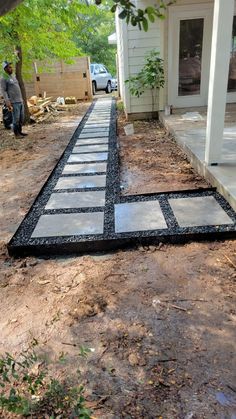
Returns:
point(219, 70)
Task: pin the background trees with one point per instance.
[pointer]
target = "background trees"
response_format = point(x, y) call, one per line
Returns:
point(49, 29)
point(92, 37)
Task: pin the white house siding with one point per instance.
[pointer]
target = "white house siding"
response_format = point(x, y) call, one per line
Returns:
point(133, 46)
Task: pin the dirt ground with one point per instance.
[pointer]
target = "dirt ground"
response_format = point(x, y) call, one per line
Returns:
point(160, 320)
point(151, 161)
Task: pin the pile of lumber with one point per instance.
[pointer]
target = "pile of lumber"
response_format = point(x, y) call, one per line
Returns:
point(41, 108)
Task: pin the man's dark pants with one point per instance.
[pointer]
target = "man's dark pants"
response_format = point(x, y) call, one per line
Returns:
point(18, 117)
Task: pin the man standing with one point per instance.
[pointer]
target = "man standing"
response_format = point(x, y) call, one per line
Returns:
point(13, 98)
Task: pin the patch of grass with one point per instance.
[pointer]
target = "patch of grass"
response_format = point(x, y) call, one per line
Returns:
point(120, 106)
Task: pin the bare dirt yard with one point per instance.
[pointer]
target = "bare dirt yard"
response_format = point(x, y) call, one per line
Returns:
point(151, 161)
point(160, 320)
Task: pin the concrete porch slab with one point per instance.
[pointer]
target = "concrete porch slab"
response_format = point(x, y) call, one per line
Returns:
point(191, 136)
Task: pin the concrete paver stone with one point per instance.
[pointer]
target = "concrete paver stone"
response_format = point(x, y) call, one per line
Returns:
point(90, 148)
point(87, 157)
point(66, 200)
point(77, 169)
point(69, 224)
point(80, 182)
point(93, 135)
point(199, 211)
point(139, 216)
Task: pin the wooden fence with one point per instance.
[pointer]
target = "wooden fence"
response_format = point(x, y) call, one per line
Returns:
point(60, 79)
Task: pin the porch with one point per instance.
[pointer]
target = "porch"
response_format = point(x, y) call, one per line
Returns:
point(188, 126)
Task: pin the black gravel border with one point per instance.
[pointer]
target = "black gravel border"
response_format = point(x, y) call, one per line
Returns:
point(22, 244)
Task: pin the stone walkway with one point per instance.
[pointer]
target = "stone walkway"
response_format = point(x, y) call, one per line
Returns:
point(80, 207)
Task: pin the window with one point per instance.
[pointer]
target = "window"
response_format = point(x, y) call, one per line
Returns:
point(190, 56)
point(102, 69)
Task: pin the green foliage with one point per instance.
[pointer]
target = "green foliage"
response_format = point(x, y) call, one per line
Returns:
point(43, 28)
point(91, 38)
point(120, 106)
point(150, 77)
point(140, 17)
point(26, 392)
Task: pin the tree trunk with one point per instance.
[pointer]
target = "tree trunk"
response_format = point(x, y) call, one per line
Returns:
point(8, 5)
point(21, 82)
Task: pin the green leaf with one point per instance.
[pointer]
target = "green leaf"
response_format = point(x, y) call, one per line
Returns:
point(145, 24)
point(123, 14)
point(113, 8)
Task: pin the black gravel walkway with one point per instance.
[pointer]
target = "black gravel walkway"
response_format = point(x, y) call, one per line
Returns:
point(80, 208)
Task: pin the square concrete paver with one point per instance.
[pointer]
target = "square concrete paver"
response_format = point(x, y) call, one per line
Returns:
point(76, 200)
point(139, 216)
point(77, 169)
point(97, 125)
point(100, 119)
point(69, 224)
point(94, 135)
point(76, 158)
point(95, 129)
point(94, 141)
point(73, 182)
point(199, 211)
point(90, 148)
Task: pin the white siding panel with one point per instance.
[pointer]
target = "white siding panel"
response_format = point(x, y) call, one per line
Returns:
point(136, 61)
point(138, 52)
point(143, 35)
point(134, 69)
point(136, 45)
point(145, 43)
point(141, 108)
point(135, 101)
point(146, 94)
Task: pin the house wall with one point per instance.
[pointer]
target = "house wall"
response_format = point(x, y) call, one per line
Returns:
point(133, 46)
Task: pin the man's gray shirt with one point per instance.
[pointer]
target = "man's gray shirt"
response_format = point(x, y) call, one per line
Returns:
point(11, 89)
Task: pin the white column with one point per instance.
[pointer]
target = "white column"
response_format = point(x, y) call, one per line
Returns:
point(219, 70)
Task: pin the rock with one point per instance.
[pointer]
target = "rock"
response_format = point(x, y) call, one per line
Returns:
point(32, 262)
point(133, 359)
point(152, 248)
point(142, 249)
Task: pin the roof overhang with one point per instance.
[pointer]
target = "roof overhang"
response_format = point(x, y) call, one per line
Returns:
point(112, 39)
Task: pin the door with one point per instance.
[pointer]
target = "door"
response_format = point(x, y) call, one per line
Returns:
point(190, 30)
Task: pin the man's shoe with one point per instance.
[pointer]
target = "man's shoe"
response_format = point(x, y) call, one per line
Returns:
point(23, 134)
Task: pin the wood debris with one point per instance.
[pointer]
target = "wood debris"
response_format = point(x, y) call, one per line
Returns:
point(40, 108)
